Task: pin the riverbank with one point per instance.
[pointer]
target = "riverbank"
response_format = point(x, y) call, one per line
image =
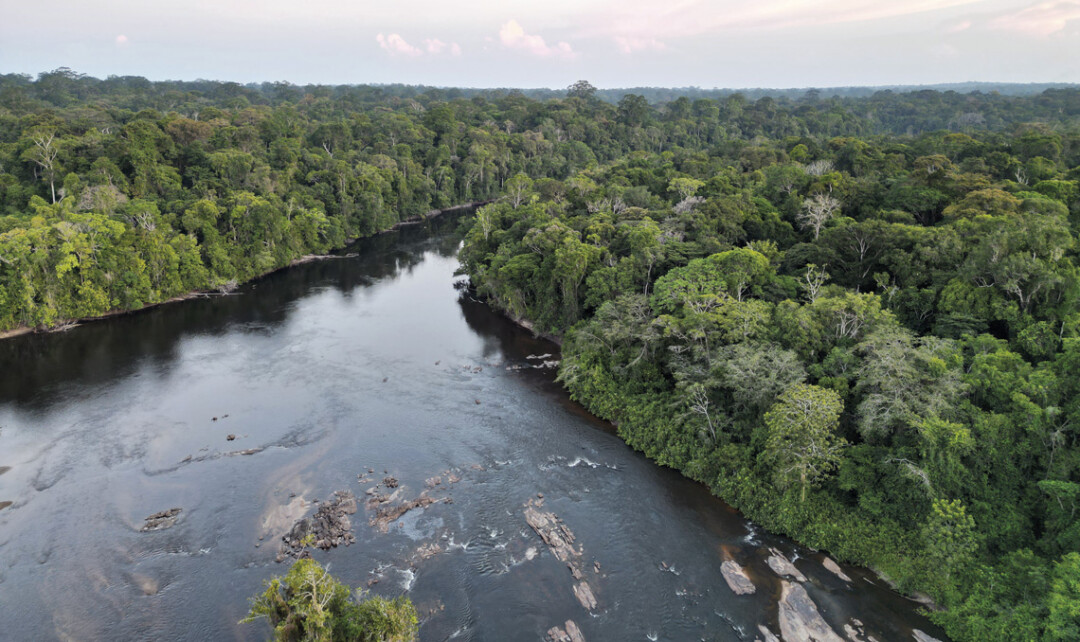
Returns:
point(68, 324)
point(331, 375)
point(819, 525)
point(413, 220)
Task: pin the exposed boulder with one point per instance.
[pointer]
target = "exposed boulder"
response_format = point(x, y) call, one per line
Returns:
point(384, 515)
point(736, 578)
point(799, 618)
point(161, 521)
point(571, 633)
point(328, 528)
point(834, 568)
point(560, 539)
point(783, 567)
point(583, 592)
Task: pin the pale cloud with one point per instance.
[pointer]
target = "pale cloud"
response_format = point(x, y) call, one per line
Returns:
point(628, 45)
point(1041, 19)
point(668, 42)
point(959, 27)
point(396, 45)
point(121, 40)
point(638, 24)
point(943, 50)
point(513, 36)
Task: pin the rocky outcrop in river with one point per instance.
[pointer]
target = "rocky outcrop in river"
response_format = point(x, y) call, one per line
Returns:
point(328, 528)
point(161, 521)
point(570, 633)
point(783, 567)
point(388, 507)
point(560, 539)
point(800, 620)
point(736, 578)
point(834, 568)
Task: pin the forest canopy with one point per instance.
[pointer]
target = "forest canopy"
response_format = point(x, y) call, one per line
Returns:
point(856, 318)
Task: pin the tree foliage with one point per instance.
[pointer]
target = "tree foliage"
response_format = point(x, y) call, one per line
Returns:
point(868, 342)
point(906, 258)
point(309, 605)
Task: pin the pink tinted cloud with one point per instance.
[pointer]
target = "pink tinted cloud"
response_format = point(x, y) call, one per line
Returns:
point(1040, 19)
point(396, 45)
point(635, 25)
point(959, 27)
point(513, 36)
point(121, 40)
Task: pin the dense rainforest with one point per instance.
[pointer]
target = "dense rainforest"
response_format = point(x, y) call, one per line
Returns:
point(855, 318)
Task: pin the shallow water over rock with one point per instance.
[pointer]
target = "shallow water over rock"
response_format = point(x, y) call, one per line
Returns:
point(339, 376)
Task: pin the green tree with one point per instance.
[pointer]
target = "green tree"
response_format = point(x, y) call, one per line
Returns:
point(309, 605)
point(951, 540)
point(582, 89)
point(802, 444)
point(1064, 600)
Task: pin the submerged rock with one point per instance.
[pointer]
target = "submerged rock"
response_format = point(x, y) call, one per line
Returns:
point(147, 585)
point(161, 521)
point(736, 578)
point(425, 552)
point(855, 633)
point(799, 618)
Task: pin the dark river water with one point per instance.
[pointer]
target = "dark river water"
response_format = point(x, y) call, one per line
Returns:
point(326, 370)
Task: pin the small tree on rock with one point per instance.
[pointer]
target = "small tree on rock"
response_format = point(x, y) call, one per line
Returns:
point(309, 605)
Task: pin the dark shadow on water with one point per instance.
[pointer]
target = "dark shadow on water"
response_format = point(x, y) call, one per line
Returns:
point(35, 368)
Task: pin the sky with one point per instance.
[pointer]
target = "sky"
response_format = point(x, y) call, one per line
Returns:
point(550, 43)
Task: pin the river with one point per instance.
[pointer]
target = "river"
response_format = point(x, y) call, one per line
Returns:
point(323, 372)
